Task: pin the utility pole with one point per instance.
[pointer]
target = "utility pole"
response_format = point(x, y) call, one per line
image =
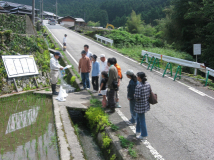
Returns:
point(42, 12)
point(56, 9)
point(33, 12)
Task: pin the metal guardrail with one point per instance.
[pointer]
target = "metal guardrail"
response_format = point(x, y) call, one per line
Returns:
point(104, 39)
point(169, 59)
point(155, 58)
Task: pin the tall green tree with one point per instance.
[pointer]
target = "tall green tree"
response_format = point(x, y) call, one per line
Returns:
point(134, 23)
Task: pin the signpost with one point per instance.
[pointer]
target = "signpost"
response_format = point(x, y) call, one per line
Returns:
point(18, 66)
point(196, 51)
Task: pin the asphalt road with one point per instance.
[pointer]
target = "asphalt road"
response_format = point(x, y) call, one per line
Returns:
point(181, 125)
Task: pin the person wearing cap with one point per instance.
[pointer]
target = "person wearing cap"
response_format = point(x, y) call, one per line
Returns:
point(130, 94)
point(55, 67)
point(88, 53)
point(95, 73)
point(85, 69)
point(103, 67)
point(64, 42)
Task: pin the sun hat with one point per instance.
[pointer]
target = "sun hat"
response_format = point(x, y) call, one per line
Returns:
point(102, 55)
point(129, 72)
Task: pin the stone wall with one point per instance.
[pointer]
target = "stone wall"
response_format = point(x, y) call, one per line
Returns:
point(25, 83)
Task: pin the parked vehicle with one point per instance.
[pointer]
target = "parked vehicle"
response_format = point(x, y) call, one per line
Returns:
point(52, 21)
point(49, 19)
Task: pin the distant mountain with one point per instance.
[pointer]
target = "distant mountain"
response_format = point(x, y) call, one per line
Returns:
point(105, 11)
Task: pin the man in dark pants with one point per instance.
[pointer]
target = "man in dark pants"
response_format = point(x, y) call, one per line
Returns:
point(55, 67)
point(113, 77)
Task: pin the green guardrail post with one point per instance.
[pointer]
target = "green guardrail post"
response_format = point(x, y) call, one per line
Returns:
point(151, 62)
point(144, 58)
point(176, 74)
point(207, 78)
point(156, 64)
point(168, 66)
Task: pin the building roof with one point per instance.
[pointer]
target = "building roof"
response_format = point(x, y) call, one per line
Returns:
point(48, 13)
point(6, 4)
point(79, 20)
point(2, 10)
point(67, 17)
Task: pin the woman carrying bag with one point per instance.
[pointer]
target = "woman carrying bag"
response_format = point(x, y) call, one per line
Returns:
point(142, 94)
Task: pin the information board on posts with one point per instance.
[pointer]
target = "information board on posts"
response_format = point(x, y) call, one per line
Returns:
point(18, 66)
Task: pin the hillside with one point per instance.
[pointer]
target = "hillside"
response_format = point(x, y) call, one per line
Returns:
point(106, 11)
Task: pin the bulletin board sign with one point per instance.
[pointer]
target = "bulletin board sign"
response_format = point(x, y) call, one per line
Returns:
point(18, 66)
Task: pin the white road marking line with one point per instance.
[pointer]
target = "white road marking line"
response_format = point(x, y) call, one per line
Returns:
point(146, 142)
point(62, 45)
point(197, 91)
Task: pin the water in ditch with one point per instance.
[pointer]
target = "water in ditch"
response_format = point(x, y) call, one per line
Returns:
point(27, 128)
point(90, 148)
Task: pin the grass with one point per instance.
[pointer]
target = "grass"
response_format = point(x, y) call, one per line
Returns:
point(125, 143)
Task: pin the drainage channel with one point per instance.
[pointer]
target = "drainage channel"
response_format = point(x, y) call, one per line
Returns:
point(90, 148)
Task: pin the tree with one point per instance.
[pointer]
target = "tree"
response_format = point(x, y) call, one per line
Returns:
point(134, 23)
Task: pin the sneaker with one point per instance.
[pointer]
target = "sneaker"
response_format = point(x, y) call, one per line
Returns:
point(118, 106)
point(83, 88)
point(94, 91)
point(110, 111)
point(87, 88)
point(141, 138)
point(99, 94)
point(137, 134)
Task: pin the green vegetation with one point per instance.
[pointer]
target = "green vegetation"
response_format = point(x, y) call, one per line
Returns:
point(73, 79)
point(128, 144)
point(106, 11)
point(96, 117)
point(114, 127)
point(113, 157)
point(93, 24)
point(12, 22)
point(106, 141)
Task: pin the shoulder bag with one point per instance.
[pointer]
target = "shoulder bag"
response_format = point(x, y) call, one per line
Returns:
point(153, 98)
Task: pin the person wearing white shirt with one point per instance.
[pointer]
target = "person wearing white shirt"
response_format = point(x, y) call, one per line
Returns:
point(88, 53)
point(103, 66)
point(64, 42)
point(55, 67)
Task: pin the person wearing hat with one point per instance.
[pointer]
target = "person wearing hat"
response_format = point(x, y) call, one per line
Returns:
point(103, 67)
point(130, 94)
point(95, 73)
point(84, 69)
point(55, 67)
point(64, 42)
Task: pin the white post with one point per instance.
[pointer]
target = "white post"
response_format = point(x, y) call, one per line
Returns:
point(195, 71)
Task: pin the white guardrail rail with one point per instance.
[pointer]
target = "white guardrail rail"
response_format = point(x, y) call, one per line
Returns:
point(104, 39)
point(155, 58)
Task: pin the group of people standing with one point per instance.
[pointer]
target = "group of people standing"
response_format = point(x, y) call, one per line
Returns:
point(106, 77)
point(110, 75)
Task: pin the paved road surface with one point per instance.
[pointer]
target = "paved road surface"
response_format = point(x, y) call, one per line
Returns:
point(181, 125)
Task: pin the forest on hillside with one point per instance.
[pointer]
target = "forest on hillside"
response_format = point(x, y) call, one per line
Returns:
point(105, 11)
